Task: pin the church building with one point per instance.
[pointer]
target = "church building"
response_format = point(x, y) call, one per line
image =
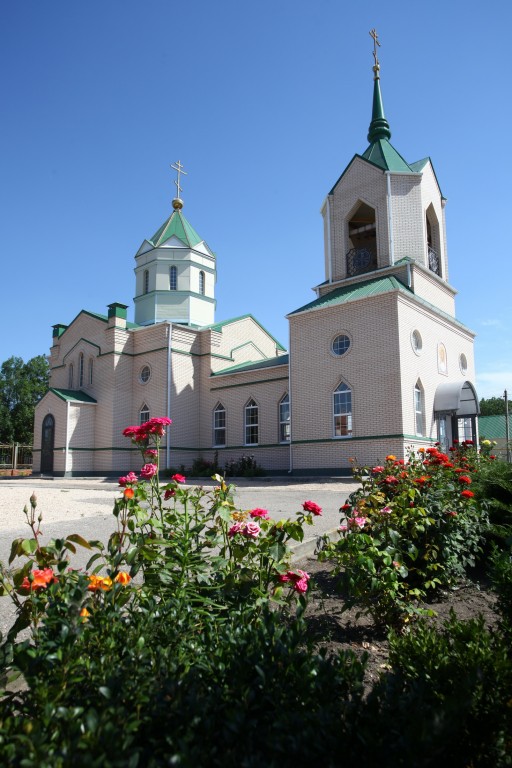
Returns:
point(378, 363)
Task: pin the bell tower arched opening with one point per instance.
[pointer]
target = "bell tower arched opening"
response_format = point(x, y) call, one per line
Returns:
point(362, 240)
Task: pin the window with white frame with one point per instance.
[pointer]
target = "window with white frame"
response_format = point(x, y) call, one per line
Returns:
point(70, 376)
point(251, 423)
point(81, 370)
point(202, 282)
point(144, 414)
point(219, 425)
point(419, 409)
point(342, 411)
point(284, 419)
point(173, 278)
point(145, 281)
point(91, 371)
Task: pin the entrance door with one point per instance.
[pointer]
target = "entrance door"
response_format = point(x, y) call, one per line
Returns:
point(47, 441)
point(464, 428)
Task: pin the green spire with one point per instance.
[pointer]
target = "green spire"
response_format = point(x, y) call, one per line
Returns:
point(379, 126)
point(178, 226)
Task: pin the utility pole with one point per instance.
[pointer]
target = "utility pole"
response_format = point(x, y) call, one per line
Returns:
point(507, 426)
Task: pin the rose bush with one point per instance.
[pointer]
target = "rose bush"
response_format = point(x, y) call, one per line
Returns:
point(411, 528)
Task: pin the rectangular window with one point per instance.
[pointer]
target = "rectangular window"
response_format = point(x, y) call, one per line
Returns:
point(219, 427)
point(251, 423)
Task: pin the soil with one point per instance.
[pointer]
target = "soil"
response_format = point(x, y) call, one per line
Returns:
point(334, 630)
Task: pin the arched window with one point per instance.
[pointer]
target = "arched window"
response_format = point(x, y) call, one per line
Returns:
point(219, 425)
point(145, 281)
point(144, 414)
point(70, 376)
point(251, 423)
point(201, 282)
point(419, 409)
point(91, 370)
point(81, 370)
point(173, 278)
point(342, 411)
point(433, 241)
point(284, 419)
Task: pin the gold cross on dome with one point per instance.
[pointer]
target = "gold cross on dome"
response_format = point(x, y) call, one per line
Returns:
point(374, 35)
point(177, 166)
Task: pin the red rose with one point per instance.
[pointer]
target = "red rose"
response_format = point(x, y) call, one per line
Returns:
point(310, 506)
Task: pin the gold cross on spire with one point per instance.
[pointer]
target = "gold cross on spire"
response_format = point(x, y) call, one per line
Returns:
point(179, 168)
point(374, 35)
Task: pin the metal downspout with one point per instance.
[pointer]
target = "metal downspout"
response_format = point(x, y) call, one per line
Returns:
point(169, 383)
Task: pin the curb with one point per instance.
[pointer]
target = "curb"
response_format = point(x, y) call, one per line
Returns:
point(310, 547)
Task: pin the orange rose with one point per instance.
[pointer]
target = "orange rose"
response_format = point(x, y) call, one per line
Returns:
point(123, 578)
point(128, 493)
point(99, 582)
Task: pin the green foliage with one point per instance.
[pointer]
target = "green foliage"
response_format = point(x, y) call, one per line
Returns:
point(411, 528)
point(447, 698)
point(246, 466)
point(500, 570)
point(204, 468)
point(22, 385)
point(493, 485)
point(493, 406)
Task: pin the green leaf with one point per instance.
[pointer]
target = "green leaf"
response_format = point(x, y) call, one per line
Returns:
point(277, 551)
point(29, 546)
point(77, 539)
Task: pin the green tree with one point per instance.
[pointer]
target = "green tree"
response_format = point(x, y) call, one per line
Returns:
point(493, 406)
point(22, 385)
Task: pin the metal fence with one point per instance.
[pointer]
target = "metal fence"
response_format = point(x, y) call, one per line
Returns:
point(15, 456)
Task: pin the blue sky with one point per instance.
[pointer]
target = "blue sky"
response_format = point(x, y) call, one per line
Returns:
point(264, 104)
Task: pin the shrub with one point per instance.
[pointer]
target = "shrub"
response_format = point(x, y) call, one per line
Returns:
point(411, 528)
point(246, 466)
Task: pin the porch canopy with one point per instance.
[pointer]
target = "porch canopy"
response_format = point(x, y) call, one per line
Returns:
point(456, 398)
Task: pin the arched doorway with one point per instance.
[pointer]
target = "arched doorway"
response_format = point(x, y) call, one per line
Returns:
point(456, 409)
point(47, 443)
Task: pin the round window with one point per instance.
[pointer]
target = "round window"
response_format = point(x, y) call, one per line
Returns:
point(463, 362)
point(340, 345)
point(145, 374)
point(416, 341)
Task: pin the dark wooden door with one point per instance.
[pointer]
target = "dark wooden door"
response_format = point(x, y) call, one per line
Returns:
point(47, 442)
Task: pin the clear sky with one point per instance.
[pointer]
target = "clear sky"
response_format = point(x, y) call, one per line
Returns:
point(264, 104)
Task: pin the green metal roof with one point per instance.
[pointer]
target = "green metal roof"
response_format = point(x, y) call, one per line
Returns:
point(375, 287)
point(355, 291)
point(257, 365)
point(176, 226)
point(72, 395)
point(98, 316)
point(219, 326)
point(382, 154)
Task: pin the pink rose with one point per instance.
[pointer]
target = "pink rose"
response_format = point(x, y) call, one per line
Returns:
point(262, 513)
point(235, 528)
point(131, 477)
point(251, 530)
point(178, 478)
point(148, 471)
point(151, 452)
point(298, 578)
point(377, 470)
point(310, 506)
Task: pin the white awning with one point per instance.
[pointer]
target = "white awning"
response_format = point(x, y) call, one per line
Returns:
point(457, 398)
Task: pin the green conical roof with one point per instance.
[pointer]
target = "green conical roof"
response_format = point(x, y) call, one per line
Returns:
point(379, 126)
point(176, 226)
point(381, 152)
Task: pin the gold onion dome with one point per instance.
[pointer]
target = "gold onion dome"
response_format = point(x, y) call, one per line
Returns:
point(177, 203)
